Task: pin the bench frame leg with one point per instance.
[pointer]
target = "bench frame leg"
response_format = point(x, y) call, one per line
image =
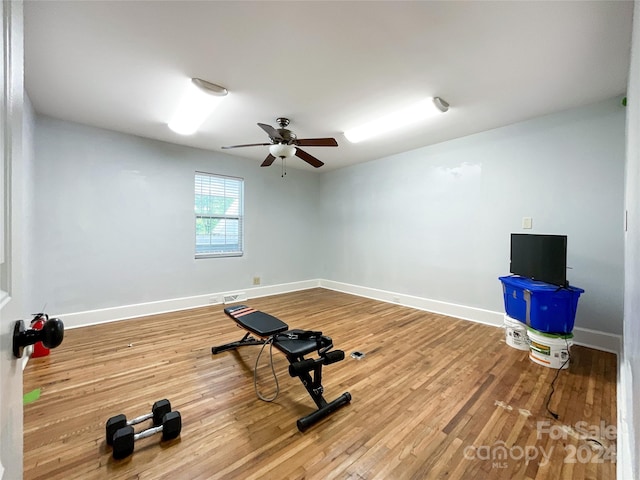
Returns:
point(315, 389)
point(246, 340)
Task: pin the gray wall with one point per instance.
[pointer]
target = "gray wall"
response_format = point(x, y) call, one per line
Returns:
point(629, 380)
point(115, 223)
point(435, 222)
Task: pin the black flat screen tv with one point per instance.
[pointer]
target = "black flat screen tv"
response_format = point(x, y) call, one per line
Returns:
point(540, 257)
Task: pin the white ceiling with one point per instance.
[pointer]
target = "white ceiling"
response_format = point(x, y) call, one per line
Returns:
point(328, 66)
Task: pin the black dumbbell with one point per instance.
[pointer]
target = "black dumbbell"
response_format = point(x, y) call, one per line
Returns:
point(125, 437)
point(158, 411)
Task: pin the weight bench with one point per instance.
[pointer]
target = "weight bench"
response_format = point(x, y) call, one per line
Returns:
point(295, 344)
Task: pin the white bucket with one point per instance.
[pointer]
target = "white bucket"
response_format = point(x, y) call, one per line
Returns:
point(550, 350)
point(516, 333)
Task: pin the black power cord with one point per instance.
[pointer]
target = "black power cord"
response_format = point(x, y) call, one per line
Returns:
point(268, 341)
point(553, 414)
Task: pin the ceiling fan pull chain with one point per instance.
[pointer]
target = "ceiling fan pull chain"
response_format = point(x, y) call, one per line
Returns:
point(284, 166)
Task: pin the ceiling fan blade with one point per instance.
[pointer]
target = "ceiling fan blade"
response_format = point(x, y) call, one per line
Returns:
point(310, 159)
point(247, 145)
point(268, 161)
point(317, 142)
point(272, 132)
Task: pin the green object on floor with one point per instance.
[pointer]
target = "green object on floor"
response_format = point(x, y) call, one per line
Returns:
point(31, 397)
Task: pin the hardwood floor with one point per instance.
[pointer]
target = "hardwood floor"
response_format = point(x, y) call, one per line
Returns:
point(434, 397)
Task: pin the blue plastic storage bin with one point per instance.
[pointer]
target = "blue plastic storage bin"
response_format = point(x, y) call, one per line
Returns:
point(545, 307)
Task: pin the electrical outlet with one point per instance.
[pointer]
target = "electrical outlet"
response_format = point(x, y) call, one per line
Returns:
point(256, 280)
point(527, 223)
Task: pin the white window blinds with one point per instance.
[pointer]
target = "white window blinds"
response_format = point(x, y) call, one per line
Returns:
point(218, 212)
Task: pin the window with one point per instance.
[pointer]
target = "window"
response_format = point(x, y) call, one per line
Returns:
point(218, 210)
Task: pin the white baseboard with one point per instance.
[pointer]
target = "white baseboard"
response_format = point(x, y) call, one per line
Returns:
point(104, 315)
point(582, 336)
point(479, 315)
point(607, 342)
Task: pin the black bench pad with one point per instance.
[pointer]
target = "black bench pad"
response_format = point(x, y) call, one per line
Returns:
point(294, 347)
point(259, 323)
point(265, 325)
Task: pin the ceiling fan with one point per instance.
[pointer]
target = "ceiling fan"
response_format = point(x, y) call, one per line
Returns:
point(284, 143)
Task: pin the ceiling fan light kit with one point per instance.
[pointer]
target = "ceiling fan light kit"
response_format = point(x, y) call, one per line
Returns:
point(284, 144)
point(282, 150)
point(197, 103)
point(401, 118)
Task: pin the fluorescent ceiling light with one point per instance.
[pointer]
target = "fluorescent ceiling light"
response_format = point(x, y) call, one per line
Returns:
point(196, 105)
point(421, 110)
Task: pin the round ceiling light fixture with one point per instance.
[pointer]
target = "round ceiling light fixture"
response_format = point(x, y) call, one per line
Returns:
point(440, 104)
point(209, 88)
point(198, 101)
point(281, 150)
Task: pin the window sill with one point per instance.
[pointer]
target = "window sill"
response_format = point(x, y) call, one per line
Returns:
point(218, 255)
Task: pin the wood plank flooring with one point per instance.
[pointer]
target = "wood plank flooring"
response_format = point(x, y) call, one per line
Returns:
point(434, 398)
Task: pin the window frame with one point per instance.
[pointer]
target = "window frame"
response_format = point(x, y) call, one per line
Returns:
point(239, 252)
